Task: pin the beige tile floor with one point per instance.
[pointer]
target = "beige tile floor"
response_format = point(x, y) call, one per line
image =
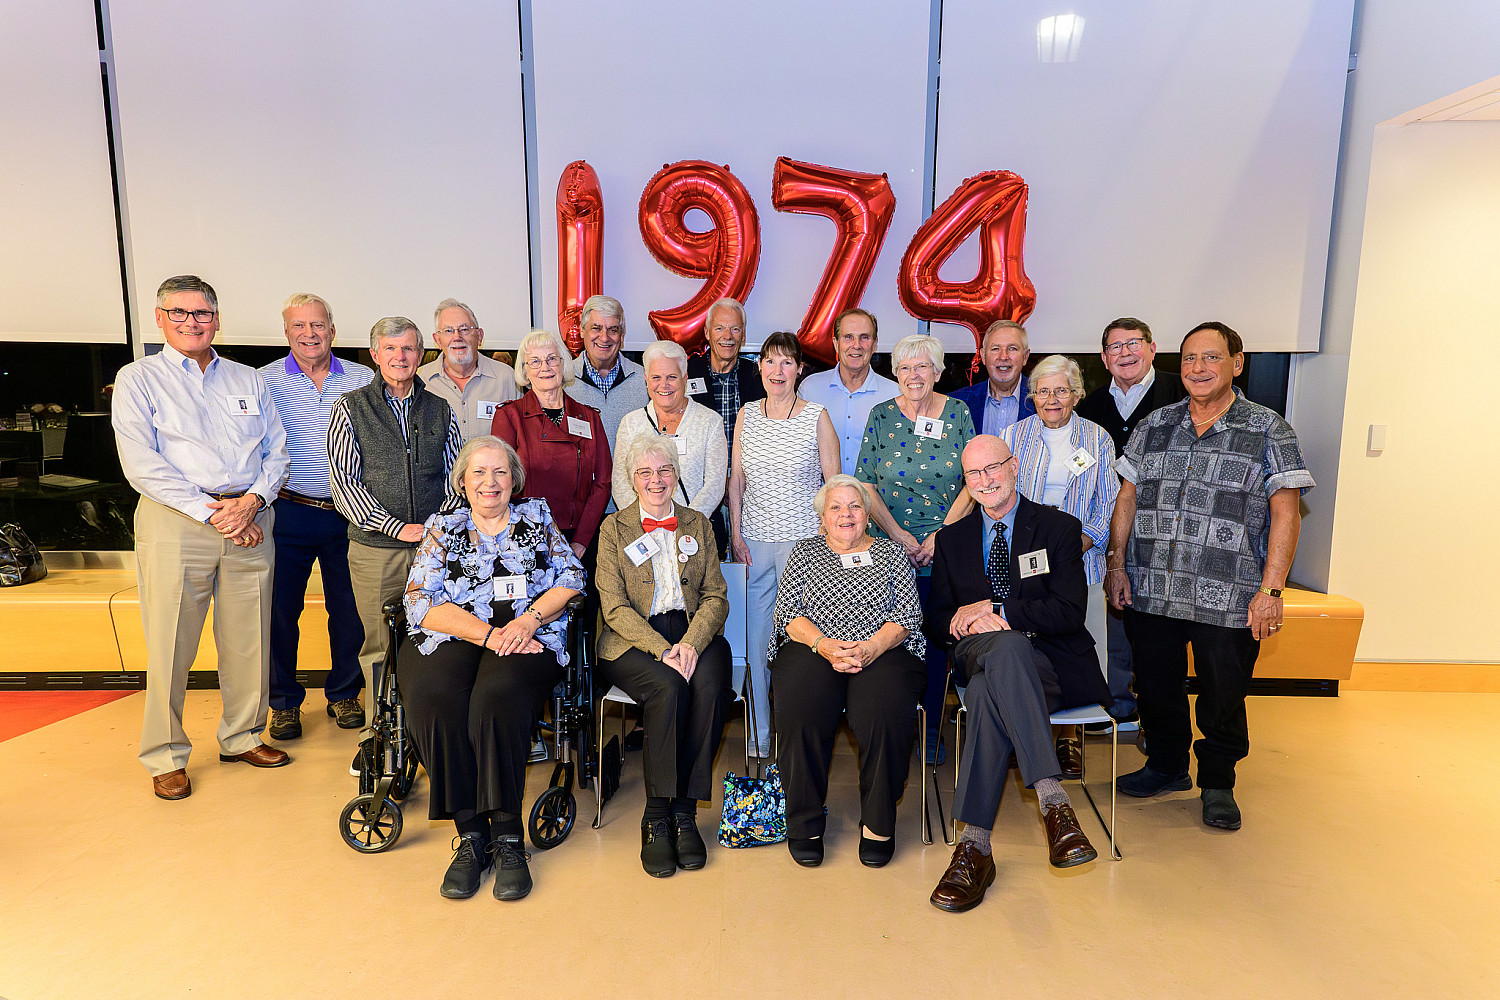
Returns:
point(1367, 868)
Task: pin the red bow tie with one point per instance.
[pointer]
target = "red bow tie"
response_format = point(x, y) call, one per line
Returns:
point(651, 524)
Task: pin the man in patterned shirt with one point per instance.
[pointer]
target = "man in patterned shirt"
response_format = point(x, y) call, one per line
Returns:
point(1202, 538)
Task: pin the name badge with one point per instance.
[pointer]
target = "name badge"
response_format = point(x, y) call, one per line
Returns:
point(1034, 563)
point(641, 549)
point(580, 428)
point(1081, 461)
point(697, 386)
point(929, 427)
point(242, 406)
point(485, 409)
point(854, 560)
point(687, 545)
point(510, 587)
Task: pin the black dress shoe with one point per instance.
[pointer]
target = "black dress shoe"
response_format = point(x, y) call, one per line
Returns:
point(692, 853)
point(876, 853)
point(1220, 809)
point(807, 852)
point(512, 877)
point(1148, 782)
point(466, 870)
point(658, 856)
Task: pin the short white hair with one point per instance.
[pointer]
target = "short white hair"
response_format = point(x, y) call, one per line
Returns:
point(437, 314)
point(918, 343)
point(839, 482)
point(651, 444)
point(665, 350)
point(477, 444)
point(298, 299)
point(393, 326)
point(726, 303)
point(1057, 364)
point(531, 344)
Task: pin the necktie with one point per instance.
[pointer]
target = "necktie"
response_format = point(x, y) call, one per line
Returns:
point(651, 524)
point(999, 565)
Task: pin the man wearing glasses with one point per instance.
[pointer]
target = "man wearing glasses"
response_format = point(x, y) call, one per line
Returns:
point(602, 378)
point(1200, 545)
point(1008, 598)
point(1002, 399)
point(1133, 390)
point(200, 440)
point(391, 446)
point(473, 384)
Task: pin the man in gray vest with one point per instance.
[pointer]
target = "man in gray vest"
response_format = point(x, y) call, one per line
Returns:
point(391, 447)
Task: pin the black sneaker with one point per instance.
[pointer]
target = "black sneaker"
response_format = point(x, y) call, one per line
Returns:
point(1220, 809)
point(349, 713)
point(658, 856)
point(692, 853)
point(285, 724)
point(467, 868)
point(512, 877)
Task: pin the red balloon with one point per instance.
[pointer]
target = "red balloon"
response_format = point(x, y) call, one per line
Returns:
point(861, 205)
point(580, 247)
point(994, 203)
point(727, 255)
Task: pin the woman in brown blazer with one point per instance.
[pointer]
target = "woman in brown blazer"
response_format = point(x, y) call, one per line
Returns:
point(663, 603)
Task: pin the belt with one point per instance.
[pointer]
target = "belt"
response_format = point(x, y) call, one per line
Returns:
point(226, 496)
point(295, 497)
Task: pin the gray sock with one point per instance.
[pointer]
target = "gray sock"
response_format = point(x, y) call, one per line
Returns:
point(1049, 793)
point(977, 835)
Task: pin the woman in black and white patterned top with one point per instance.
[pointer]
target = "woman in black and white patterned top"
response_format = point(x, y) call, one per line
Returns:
point(848, 641)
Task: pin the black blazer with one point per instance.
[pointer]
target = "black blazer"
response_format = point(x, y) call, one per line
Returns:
point(1099, 406)
point(1050, 605)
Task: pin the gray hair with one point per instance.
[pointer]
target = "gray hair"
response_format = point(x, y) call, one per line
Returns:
point(476, 444)
point(1007, 324)
point(393, 326)
point(651, 444)
point(668, 350)
point(1057, 364)
point(190, 283)
point(604, 306)
point(726, 303)
point(840, 481)
point(298, 299)
point(437, 314)
point(529, 345)
point(918, 343)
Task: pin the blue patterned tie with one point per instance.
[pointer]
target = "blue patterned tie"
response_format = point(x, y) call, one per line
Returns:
point(999, 567)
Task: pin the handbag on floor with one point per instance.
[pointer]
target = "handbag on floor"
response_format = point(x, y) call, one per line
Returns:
point(20, 559)
point(754, 810)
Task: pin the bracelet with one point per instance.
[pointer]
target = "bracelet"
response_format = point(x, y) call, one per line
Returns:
point(533, 612)
point(818, 642)
point(486, 643)
point(1116, 569)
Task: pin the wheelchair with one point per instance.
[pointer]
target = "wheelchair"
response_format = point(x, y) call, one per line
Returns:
point(371, 821)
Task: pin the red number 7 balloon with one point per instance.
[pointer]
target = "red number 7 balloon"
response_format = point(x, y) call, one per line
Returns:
point(861, 205)
point(727, 255)
point(580, 247)
point(994, 203)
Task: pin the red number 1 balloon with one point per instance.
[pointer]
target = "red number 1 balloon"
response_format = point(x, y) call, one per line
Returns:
point(727, 255)
point(994, 204)
point(580, 247)
point(861, 205)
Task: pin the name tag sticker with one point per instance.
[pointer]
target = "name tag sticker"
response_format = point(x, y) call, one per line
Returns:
point(688, 545)
point(697, 386)
point(580, 428)
point(1034, 563)
point(1081, 461)
point(929, 427)
point(854, 560)
point(485, 409)
point(242, 406)
point(641, 549)
point(510, 587)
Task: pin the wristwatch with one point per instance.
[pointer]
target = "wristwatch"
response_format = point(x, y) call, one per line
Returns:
point(1272, 591)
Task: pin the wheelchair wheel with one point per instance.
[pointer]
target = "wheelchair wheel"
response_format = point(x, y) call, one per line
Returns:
point(407, 777)
point(552, 817)
point(366, 837)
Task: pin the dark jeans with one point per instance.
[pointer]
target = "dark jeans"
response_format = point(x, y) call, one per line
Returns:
point(301, 535)
point(1224, 659)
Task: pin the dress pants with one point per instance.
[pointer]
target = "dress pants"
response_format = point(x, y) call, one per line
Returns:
point(304, 534)
point(881, 704)
point(683, 719)
point(1224, 660)
point(1012, 689)
point(471, 713)
point(181, 566)
point(378, 575)
point(767, 563)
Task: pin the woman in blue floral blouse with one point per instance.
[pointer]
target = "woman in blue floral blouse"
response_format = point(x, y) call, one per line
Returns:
point(485, 606)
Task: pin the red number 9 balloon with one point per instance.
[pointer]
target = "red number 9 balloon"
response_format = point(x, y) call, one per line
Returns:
point(994, 203)
point(580, 247)
point(727, 255)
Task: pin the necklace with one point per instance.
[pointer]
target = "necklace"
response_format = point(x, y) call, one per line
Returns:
point(1216, 416)
point(792, 406)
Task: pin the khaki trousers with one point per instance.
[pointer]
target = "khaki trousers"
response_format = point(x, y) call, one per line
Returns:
point(182, 566)
point(378, 576)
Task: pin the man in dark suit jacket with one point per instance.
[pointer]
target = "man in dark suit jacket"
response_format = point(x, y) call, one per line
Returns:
point(1004, 397)
point(1008, 597)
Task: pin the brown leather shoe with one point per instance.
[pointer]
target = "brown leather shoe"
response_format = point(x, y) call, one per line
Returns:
point(1066, 844)
point(1069, 757)
point(172, 785)
point(261, 756)
point(963, 885)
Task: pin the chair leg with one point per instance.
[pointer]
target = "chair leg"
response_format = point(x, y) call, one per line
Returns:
point(926, 817)
point(599, 770)
point(1114, 769)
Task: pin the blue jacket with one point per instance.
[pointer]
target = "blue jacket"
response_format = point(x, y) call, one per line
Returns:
point(975, 395)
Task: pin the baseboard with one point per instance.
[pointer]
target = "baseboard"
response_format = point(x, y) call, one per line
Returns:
point(1459, 678)
point(130, 680)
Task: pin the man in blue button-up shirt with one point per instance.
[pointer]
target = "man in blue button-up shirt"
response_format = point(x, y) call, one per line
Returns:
point(1003, 398)
point(200, 440)
point(850, 391)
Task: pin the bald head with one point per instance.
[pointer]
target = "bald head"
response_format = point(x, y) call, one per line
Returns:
point(990, 474)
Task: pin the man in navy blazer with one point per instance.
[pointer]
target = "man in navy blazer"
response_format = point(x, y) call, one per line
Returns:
point(1008, 598)
point(1004, 397)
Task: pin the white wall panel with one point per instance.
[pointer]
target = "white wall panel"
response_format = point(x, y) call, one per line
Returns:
point(629, 88)
point(371, 152)
point(59, 252)
point(1181, 169)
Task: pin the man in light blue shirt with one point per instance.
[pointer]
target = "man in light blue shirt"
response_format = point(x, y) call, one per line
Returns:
point(1004, 397)
point(200, 440)
point(850, 391)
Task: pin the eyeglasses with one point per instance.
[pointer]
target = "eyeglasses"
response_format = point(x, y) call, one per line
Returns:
point(1132, 345)
point(181, 315)
point(665, 472)
point(1060, 393)
point(925, 366)
point(988, 472)
point(1211, 358)
point(550, 361)
point(462, 331)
